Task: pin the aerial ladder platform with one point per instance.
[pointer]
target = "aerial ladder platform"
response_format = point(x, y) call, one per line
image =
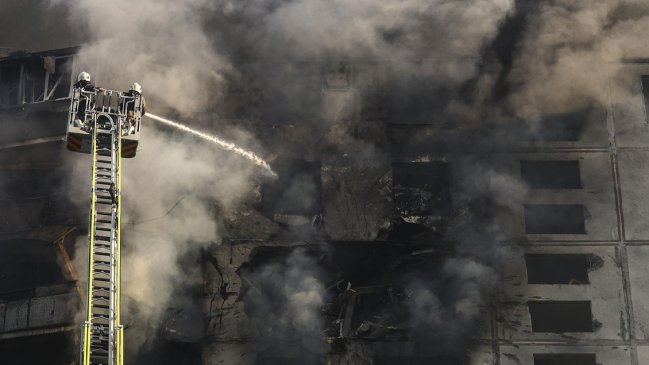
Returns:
point(104, 123)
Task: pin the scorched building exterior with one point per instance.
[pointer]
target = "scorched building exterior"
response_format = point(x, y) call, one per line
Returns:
point(560, 203)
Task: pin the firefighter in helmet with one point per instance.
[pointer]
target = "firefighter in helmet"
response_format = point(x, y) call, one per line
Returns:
point(83, 86)
point(134, 90)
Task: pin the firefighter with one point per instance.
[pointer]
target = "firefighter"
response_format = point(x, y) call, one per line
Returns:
point(134, 90)
point(83, 86)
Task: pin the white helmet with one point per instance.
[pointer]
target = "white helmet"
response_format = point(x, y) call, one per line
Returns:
point(136, 87)
point(83, 76)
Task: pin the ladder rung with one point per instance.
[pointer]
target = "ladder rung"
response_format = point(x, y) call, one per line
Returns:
point(104, 206)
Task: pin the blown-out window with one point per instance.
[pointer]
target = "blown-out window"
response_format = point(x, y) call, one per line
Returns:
point(556, 174)
point(565, 359)
point(645, 93)
point(296, 191)
point(555, 219)
point(561, 316)
point(557, 269)
point(422, 188)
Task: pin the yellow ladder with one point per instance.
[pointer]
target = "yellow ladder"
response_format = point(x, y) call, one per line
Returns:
point(102, 336)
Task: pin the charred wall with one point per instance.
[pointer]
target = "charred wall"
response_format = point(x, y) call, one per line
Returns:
point(515, 244)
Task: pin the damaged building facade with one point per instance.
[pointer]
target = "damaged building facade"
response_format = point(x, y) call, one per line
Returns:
point(403, 240)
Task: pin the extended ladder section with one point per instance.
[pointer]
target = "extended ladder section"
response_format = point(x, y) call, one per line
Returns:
point(102, 337)
point(106, 124)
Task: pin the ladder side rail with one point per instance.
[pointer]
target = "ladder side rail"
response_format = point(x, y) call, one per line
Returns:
point(112, 336)
point(126, 101)
point(139, 104)
point(131, 102)
point(88, 97)
point(87, 326)
point(118, 256)
point(74, 106)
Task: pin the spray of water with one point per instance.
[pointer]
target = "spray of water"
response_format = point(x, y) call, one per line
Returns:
point(218, 141)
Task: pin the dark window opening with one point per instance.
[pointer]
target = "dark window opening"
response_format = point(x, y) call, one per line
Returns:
point(9, 80)
point(291, 96)
point(34, 81)
point(163, 351)
point(297, 190)
point(555, 219)
point(561, 316)
point(59, 81)
point(28, 184)
point(645, 93)
point(55, 349)
point(564, 359)
point(337, 76)
point(417, 101)
point(374, 107)
point(566, 127)
point(266, 360)
point(551, 174)
point(422, 188)
point(39, 256)
point(43, 78)
point(558, 269)
point(416, 360)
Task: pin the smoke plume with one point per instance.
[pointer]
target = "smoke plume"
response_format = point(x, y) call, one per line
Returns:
point(468, 64)
point(285, 302)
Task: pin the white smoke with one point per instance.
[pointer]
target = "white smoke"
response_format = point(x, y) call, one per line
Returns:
point(159, 44)
point(182, 52)
point(571, 52)
point(172, 192)
point(285, 301)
